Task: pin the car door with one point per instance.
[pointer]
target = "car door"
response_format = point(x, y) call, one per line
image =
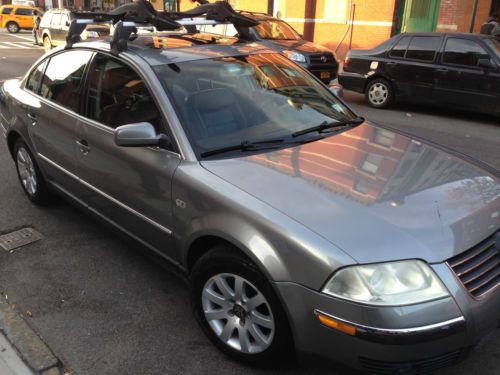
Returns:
point(55, 29)
point(54, 115)
point(24, 18)
point(128, 186)
point(460, 82)
point(414, 71)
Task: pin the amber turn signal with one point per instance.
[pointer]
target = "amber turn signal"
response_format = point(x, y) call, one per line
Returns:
point(335, 324)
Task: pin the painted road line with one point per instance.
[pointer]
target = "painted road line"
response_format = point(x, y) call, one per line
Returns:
point(20, 37)
point(14, 45)
point(18, 45)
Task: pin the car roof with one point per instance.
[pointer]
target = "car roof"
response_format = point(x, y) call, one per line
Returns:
point(58, 10)
point(18, 6)
point(463, 35)
point(258, 16)
point(160, 48)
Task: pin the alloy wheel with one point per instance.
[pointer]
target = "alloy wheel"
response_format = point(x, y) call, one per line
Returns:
point(238, 313)
point(378, 93)
point(46, 44)
point(12, 27)
point(27, 171)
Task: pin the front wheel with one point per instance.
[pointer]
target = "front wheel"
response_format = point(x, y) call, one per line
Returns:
point(237, 308)
point(12, 27)
point(47, 44)
point(379, 93)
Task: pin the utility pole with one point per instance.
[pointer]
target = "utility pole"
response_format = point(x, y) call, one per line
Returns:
point(473, 18)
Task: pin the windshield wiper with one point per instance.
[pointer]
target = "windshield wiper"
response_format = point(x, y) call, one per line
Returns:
point(245, 146)
point(329, 125)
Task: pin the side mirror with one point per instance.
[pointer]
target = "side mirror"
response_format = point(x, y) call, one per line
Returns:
point(141, 134)
point(486, 63)
point(67, 23)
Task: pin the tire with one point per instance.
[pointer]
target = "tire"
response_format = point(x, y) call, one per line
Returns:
point(379, 93)
point(47, 44)
point(250, 326)
point(30, 177)
point(12, 27)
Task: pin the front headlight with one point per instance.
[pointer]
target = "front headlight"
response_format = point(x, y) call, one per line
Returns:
point(295, 56)
point(395, 283)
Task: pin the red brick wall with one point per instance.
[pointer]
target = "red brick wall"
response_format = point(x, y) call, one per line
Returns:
point(455, 15)
point(372, 24)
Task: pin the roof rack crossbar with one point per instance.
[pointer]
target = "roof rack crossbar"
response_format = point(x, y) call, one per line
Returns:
point(127, 17)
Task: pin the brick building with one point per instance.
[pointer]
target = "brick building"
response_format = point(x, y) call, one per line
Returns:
point(365, 23)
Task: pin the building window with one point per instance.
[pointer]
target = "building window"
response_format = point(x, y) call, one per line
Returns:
point(362, 187)
point(383, 138)
point(372, 163)
point(335, 11)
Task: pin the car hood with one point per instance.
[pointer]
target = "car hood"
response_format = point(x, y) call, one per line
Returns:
point(375, 194)
point(299, 45)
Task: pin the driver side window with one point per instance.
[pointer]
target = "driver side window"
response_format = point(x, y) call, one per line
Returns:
point(118, 96)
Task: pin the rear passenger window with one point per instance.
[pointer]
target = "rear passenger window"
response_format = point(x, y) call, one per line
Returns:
point(423, 48)
point(117, 95)
point(400, 48)
point(24, 12)
point(46, 20)
point(7, 11)
point(63, 76)
point(463, 52)
point(56, 20)
point(35, 78)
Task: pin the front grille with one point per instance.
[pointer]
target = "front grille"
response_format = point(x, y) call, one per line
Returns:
point(424, 366)
point(316, 59)
point(479, 268)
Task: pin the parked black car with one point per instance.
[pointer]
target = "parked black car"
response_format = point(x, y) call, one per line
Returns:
point(55, 25)
point(454, 70)
point(280, 36)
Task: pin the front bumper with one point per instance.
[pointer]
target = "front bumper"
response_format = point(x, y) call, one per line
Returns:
point(405, 337)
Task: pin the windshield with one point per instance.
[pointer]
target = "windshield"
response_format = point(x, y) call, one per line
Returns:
point(277, 30)
point(495, 45)
point(226, 101)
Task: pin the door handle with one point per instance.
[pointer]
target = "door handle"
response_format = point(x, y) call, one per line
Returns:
point(83, 145)
point(392, 63)
point(32, 117)
point(442, 70)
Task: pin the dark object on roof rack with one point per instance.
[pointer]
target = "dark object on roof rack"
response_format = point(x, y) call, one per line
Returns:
point(219, 11)
point(141, 12)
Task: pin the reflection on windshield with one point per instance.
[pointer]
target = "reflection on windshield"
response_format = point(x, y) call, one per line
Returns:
point(228, 100)
point(276, 30)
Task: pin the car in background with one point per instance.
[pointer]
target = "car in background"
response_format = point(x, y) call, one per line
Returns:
point(55, 25)
point(446, 69)
point(280, 36)
point(17, 17)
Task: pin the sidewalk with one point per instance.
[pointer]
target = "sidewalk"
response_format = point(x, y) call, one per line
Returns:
point(22, 351)
point(10, 361)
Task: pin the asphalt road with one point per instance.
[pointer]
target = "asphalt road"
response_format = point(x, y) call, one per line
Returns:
point(105, 307)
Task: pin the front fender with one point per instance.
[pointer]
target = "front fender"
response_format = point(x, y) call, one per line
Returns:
point(283, 249)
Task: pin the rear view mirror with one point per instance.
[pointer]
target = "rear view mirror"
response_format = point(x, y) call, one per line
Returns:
point(141, 134)
point(486, 63)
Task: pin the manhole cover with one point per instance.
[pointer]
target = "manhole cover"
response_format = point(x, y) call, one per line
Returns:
point(19, 238)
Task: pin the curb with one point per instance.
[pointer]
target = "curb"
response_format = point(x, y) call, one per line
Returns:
point(34, 352)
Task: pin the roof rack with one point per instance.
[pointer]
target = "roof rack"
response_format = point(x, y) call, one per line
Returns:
point(128, 17)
